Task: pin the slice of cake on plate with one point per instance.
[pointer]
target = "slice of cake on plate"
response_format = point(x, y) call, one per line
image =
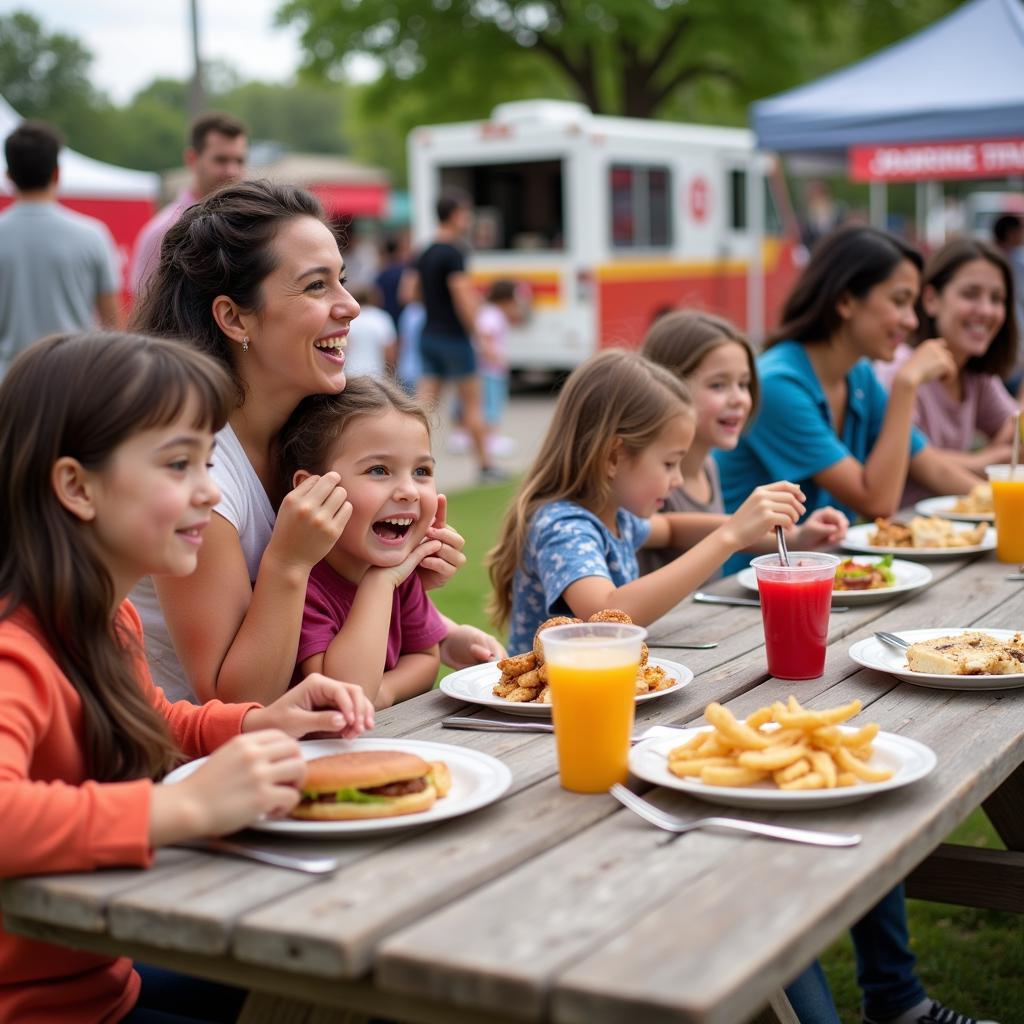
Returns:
point(969, 654)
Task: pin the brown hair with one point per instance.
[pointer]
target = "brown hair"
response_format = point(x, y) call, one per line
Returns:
point(849, 261)
point(310, 437)
point(613, 396)
point(940, 270)
point(82, 396)
point(221, 246)
point(214, 121)
point(680, 340)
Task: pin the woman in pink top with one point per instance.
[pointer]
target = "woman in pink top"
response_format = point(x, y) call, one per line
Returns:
point(967, 300)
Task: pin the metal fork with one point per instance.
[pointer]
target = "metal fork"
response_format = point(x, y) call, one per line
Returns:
point(670, 823)
point(892, 640)
point(310, 865)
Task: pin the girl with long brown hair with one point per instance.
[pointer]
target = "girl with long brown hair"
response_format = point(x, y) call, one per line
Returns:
point(105, 441)
point(591, 499)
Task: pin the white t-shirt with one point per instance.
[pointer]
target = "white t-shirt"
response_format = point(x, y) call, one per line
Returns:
point(370, 334)
point(245, 505)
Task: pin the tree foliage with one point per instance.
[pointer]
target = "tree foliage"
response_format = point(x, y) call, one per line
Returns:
point(640, 58)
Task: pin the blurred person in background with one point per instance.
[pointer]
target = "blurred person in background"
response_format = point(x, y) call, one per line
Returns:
point(59, 269)
point(216, 155)
point(501, 309)
point(372, 340)
point(451, 304)
point(394, 259)
point(1008, 236)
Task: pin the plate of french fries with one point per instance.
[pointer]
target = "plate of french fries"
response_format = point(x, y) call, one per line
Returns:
point(476, 685)
point(921, 537)
point(782, 756)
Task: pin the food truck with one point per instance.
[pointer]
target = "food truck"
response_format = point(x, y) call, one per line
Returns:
point(610, 221)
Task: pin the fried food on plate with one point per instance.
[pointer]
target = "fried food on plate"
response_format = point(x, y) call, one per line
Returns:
point(977, 503)
point(925, 532)
point(788, 745)
point(969, 654)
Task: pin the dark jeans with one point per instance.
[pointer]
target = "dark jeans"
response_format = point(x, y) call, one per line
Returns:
point(885, 968)
point(170, 998)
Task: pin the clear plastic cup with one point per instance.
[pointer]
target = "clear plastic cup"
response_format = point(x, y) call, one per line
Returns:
point(1008, 504)
point(795, 603)
point(591, 669)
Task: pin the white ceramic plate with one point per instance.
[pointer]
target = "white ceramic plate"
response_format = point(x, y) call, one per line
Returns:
point(477, 780)
point(475, 685)
point(909, 576)
point(906, 758)
point(872, 653)
point(943, 506)
point(857, 540)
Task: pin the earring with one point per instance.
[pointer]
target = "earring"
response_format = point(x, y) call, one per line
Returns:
point(245, 344)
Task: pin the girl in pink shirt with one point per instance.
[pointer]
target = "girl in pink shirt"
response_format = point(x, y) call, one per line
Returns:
point(967, 300)
point(105, 442)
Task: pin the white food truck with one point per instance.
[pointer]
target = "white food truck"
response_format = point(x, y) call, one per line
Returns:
point(609, 221)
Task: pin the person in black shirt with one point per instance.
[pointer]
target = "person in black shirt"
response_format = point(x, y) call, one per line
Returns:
point(451, 303)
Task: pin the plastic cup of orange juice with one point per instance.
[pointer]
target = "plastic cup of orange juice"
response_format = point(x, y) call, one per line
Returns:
point(1008, 503)
point(592, 674)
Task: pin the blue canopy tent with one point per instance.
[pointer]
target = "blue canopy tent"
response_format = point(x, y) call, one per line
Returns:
point(961, 78)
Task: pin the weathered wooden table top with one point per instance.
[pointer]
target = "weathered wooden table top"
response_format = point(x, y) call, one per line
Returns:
point(553, 906)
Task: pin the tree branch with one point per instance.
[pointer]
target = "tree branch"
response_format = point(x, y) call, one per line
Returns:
point(688, 74)
point(682, 25)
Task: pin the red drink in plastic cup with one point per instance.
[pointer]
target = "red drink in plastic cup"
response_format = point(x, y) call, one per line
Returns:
point(795, 604)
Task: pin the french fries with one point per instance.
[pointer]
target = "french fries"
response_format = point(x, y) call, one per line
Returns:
point(790, 745)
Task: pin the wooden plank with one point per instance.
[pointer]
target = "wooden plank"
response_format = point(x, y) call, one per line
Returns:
point(1005, 809)
point(971, 877)
point(297, 994)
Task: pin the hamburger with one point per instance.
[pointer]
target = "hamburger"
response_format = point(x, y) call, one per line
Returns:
point(370, 784)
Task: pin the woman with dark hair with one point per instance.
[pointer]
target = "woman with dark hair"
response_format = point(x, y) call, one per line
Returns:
point(825, 420)
point(967, 299)
point(253, 276)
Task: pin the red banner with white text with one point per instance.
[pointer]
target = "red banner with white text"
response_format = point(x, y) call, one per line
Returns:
point(934, 161)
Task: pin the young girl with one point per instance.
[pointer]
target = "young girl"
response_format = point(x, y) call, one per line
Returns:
point(717, 365)
point(825, 421)
point(367, 616)
point(609, 460)
point(967, 299)
point(105, 441)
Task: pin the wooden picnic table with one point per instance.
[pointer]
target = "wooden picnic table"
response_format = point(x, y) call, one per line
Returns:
point(550, 906)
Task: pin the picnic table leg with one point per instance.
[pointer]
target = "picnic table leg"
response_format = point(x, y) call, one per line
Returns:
point(1005, 809)
point(778, 1011)
point(266, 1009)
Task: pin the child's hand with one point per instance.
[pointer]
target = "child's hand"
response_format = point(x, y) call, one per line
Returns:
point(466, 645)
point(438, 568)
point(311, 519)
point(318, 704)
point(248, 777)
point(823, 527)
point(778, 504)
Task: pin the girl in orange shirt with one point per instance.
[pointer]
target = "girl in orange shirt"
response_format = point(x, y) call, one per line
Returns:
point(105, 441)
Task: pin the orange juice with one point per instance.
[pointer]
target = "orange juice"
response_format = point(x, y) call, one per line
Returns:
point(592, 703)
point(1008, 501)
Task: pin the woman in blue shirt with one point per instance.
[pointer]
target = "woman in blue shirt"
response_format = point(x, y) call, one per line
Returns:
point(825, 421)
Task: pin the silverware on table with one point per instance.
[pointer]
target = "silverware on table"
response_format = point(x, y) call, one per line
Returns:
point(494, 725)
point(672, 823)
point(892, 640)
point(310, 865)
point(745, 602)
point(1016, 577)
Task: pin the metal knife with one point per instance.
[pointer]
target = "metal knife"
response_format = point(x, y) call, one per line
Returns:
point(745, 602)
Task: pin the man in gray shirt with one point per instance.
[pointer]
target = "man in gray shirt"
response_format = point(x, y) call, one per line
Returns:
point(58, 269)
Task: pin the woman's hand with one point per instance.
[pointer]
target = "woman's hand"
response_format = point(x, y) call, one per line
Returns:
point(466, 645)
point(310, 521)
point(250, 776)
point(778, 504)
point(318, 704)
point(822, 528)
point(438, 568)
point(931, 360)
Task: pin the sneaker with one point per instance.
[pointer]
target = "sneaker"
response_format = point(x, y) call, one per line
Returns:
point(459, 442)
point(499, 445)
point(492, 475)
point(930, 1012)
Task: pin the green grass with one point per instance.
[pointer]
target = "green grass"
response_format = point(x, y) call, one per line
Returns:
point(972, 960)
